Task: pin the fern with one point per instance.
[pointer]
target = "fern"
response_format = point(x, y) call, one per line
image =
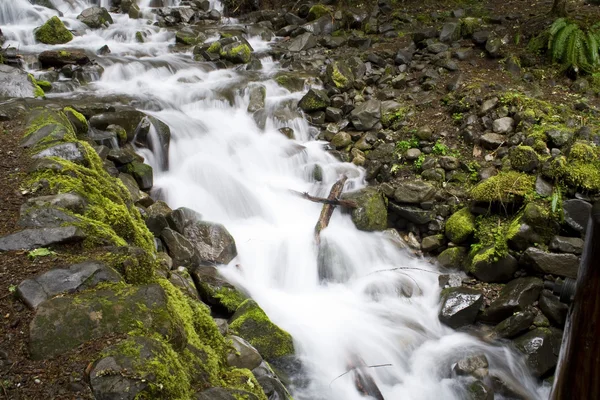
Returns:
point(575, 49)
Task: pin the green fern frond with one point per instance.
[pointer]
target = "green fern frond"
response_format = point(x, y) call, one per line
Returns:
point(592, 47)
point(559, 47)
point(575, 49)
point(555, 28)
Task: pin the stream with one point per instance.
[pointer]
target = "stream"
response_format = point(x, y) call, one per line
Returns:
point(223, 165)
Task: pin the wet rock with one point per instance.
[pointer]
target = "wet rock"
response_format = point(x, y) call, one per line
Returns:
point(341, 140)
point(577, 214)
point(302, 42)
point(156, 217)
point(95, 17)
point(371, 213)
point(432, 243)
point(189, 36)
point(215, 291)
point(237, 53)
point(129, 119)
point(412, 214)
point(551, 263)
point(77, 120)
point(132, 187)
point(142, 173)
point(314, 100)
point(515, 324)
point(273, 388)
point(479, 391)
point(182, 217)
point(63, 323)
point(523, 237)
point(251, 323)
point(212, 241)
point(502, 270)
point(492, 141)
point(565, 244)
point(340, 75)
point(29, 239)
point(460, 226)
point(292, 82)
point(76, 278)
point(60, 58)
point(539, 347)
point(460, 306)
point(53, 32)
point(515, 296)
point(244, 355)
point(15, 82)
point(476, 366)
point(452, 258)
point(257, 98)
point(224, 394)
point(366, 115)
point(180, 249)
point(553, 308)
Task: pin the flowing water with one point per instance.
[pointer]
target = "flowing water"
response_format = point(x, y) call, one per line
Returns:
point(231, 171)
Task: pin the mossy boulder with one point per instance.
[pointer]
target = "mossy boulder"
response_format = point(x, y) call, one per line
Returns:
point(216, 291)
point(142, 173)
point(460, 226)
point(292, 82)
point(189, 37)
point(63, 323)
point(237, 53)
point(523, 158)
point(314, 100)
point(251, 323)
point(317, 11)
point(506, 187)
point(453, 258)
point(95, 17)
point(77, 120)
point(53, 32)
point(340, 75)
point(371, 213)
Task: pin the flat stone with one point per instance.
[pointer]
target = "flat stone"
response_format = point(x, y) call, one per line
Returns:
point(29, 239)
point(63, 323)
point(413, 192)
point(491, 141)
point(67, 151)
point(559, 264)
point(460, 306)
point(565, 244)
point(412, 214)
point(517, 323)
point(44, 217)
point(15, 82)
point(577, 214)
point(76, 278)
point(69, 201)
point(515, 296)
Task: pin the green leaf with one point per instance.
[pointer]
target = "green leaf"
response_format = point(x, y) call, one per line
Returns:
point(41, 252)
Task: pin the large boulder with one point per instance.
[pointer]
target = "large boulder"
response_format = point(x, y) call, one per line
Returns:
point(340, 75)
point(516, 296)
point(460, 306)
point(216, 291)
point(237, 53)
point(60, 58)
point(212, 241)
point(15, 82)
point(366, 115)
point(413, 192)
point(371, 213)
point(76, 278)
point(540, 347)
point(63, 323)
point(181, 250)
point(314, 100)
point(251, 323)
point(460, 226)
point(95, 17)
point(53, 32)
point(559, 264)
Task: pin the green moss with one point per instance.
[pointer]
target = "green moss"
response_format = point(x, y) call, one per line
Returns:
point(317, 11)
point(80, 117)
point(230, 298)
point(251, 323)
point(581, 151)
point(575, 173)
point(492, 235)
point(37, 90)
point(53, 32)
point(139, 37)
point(503, 187)
point(523, 158)
point(460, 226)
point(339, 80)
point(64, 54)
point(215, 47)
point(45, 85)
point(240, 53)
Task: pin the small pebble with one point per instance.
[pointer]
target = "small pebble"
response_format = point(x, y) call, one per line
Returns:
point(37, 381)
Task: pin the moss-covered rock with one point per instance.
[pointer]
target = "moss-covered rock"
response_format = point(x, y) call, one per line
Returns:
point(453, 258)
point(505, 187)
point(371, 213)
point(77, 120)
point(237, 53)
point(215, 291)
point(523, 158)
point(314, 100)
point(460, 226)
point(317, 11)
point(53, 32)
point(251, 323)
point(339, 75)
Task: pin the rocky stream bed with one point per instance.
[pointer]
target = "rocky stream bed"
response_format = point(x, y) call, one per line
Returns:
point(156, 242)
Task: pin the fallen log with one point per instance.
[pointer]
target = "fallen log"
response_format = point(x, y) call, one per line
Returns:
point(327, 210)
point(334, 202)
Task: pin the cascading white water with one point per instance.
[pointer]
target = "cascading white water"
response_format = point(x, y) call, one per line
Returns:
point(232, 172)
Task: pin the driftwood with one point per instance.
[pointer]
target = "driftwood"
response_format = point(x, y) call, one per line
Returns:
point(334, 202)
point(327, 210)
point(363, 381)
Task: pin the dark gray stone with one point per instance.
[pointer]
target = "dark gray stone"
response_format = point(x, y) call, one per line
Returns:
point(413, 192)
point(67, 151)
point(559, 138)
point(491, 141)
point(182, 279)
point(577, 214)
point(74, 279)
point(460, 306)
point(69, 201)
point(516, 296)
point(524, 237)
point(366, 115)
point(551, 263)
point(215, 291)
point(412, 214)
point(180, 249)
point(553, 308)
point(479, 391)
point(244, 355)
point(49, 133)
point(404, 56)
point(314, 100)
point(95, 17)
point(142, 173)
point(450, 32)
point(182, 217)
point(15, 82)
point(212, 241)
point(256, 98)
point(515, 324)
point(302, 42)
point(29, 239)
point(539, 347)
point(565, 244)
point(432, 243)
point(502, 270)
point(224, 394)
point(156, 218)
point(44, 217)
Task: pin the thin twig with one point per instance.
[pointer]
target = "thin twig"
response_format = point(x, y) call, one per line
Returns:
point(395, 269)
point(354, 368)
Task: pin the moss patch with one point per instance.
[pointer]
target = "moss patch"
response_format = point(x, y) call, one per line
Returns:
point(460, 226)
point(503, 187)
point(53, 32)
